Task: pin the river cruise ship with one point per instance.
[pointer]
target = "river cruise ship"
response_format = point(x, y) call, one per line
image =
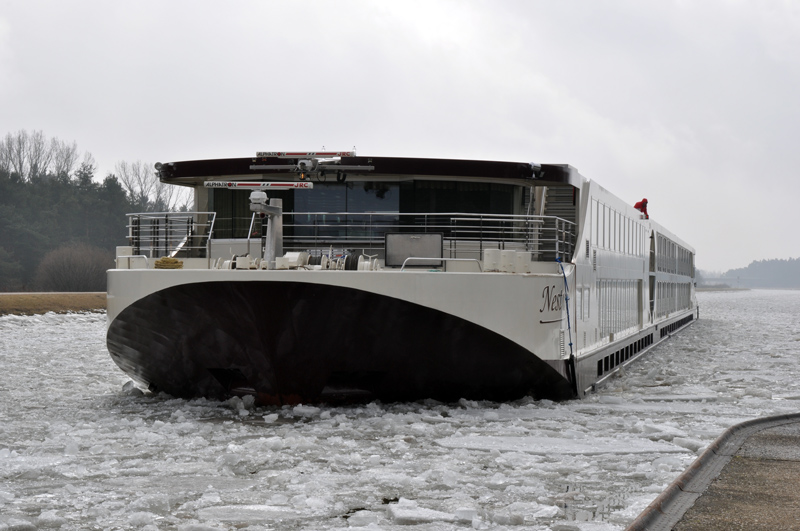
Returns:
point(309, 275)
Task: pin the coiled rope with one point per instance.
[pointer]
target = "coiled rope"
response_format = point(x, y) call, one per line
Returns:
point(167, 262)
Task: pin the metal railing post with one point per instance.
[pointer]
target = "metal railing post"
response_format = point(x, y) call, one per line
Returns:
point(167, 233)
point(557, 238)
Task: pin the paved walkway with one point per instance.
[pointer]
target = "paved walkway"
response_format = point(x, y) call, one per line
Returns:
point(748, 479)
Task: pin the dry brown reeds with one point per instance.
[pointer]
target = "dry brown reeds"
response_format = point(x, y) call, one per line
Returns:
point(39, 303)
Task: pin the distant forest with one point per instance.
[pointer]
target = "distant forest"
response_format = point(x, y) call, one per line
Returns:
point(775, 274)
point(56, 218)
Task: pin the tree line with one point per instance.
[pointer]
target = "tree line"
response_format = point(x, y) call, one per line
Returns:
point(776, 273)
point(59, 226)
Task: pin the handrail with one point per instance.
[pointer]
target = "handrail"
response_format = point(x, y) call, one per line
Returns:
point(162, 214)
point(169, 233)
point(210, 237)
point(128, 258)
point(146, 260)
point(250, 231)
point(465, 235)
point(180, 246)
point(546, 237)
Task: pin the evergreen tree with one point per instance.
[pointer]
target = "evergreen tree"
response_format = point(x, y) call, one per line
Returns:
point(47, 204)
point(49, 211)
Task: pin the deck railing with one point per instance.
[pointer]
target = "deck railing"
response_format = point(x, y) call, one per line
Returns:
point(464, 235)
point(157, 234)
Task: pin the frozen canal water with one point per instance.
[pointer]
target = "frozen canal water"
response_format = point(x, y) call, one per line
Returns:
point(79, 450)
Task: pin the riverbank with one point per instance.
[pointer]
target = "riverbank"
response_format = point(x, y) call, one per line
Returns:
point(720, 288)
point(39, 303)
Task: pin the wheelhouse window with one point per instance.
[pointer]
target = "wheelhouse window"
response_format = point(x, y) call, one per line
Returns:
point(337, 209)
point(344, 210)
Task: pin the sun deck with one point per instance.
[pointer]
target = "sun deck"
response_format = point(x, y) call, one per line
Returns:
point(386, 238)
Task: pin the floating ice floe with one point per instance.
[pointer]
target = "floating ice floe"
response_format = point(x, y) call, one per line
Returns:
point(248, 513)
point(559, 446)
point(662, 432)
point(690, 444)
point(680, 398)
point(363, 518)
point(302, 410)
point(407, 512)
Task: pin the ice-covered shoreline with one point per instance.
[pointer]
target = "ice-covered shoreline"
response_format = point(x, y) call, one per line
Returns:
point(79, 452)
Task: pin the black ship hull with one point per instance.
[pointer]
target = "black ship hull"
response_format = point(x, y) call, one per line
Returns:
point(290, 342)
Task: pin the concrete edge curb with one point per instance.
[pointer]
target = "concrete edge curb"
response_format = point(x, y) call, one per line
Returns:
point(679, 496)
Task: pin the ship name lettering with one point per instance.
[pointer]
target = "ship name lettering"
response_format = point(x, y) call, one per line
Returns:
point(551, 301)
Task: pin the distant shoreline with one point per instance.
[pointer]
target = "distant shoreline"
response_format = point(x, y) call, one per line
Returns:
point(722, 289)
point(62, 302)
point(712, 288)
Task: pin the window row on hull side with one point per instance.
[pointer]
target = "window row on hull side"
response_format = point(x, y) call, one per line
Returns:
point(673, 258)
point(672, 297)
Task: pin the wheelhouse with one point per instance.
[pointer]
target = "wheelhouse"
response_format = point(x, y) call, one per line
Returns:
point(352, 202)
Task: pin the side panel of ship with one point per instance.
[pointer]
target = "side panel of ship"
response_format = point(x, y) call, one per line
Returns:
point(629, 293)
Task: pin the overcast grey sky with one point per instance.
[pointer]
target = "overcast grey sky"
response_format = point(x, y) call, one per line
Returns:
point(692, 104)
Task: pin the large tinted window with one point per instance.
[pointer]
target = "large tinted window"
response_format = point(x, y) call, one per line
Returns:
point(450, 196)
point(233, 212)
point(344, 209)
point(337, 204)
point(350, 197)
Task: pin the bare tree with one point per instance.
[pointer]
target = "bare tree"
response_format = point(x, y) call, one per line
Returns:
point(32, 155)
point(171, 198)
point(147, 192)
point(139, 181)
point(16, 146)
point(38, 155)
point(5, 155)
point(65, 156)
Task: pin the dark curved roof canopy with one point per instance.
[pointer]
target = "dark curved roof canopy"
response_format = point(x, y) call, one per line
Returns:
point(193, 172)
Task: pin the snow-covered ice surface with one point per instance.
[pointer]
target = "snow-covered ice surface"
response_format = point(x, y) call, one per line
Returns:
point(80, 449)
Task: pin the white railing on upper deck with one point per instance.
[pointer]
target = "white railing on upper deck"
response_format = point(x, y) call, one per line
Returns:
point(464, 235)
point(157, 234)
